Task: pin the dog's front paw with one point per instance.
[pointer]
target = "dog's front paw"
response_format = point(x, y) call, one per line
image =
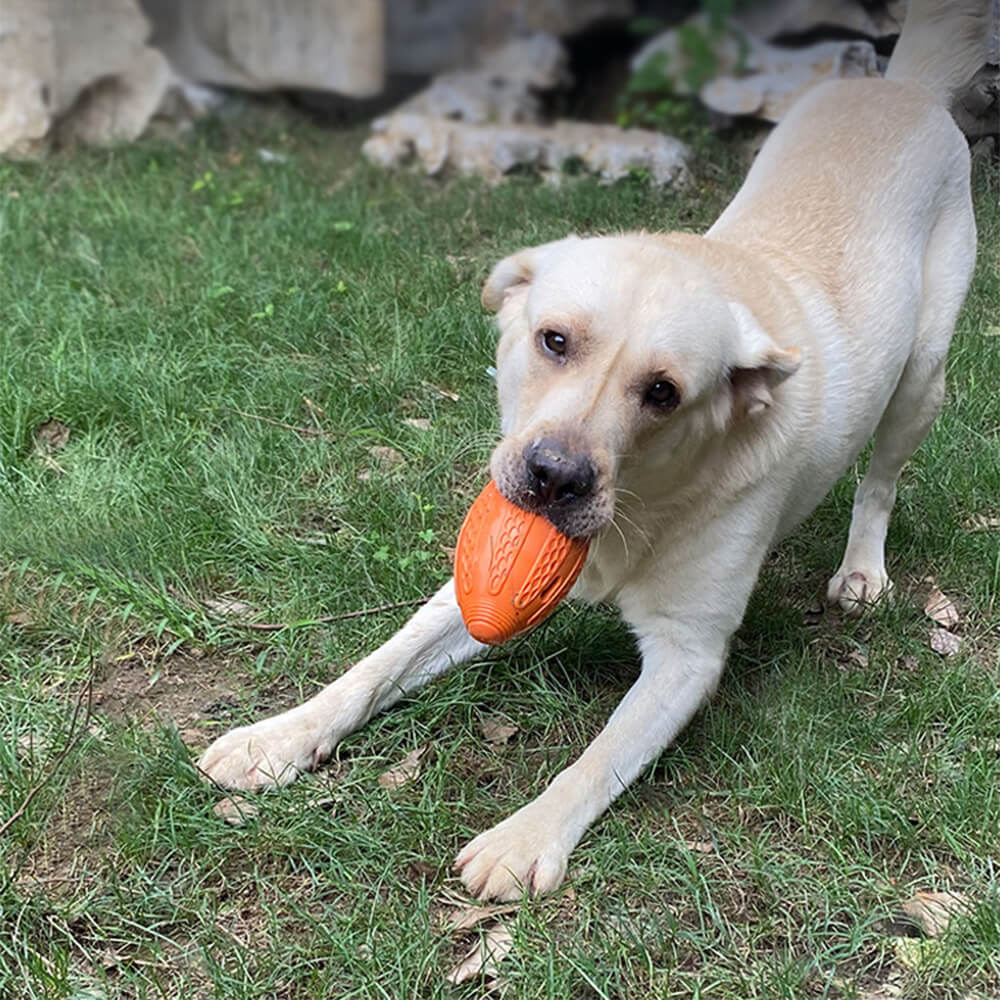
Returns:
point(856, 589)
point(267, 754)
point(524, 853)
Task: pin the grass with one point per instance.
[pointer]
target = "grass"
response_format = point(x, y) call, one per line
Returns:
point(226, 342)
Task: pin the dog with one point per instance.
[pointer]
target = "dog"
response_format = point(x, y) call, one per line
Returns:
point(686, 401)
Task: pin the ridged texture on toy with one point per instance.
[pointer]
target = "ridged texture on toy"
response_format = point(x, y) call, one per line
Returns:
point(512, 568)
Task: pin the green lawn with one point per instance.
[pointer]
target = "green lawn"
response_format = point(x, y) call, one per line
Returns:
point(274, 381)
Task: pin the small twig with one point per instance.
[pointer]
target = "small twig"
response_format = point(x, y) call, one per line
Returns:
point(313, 431)
point(360, 613)
point(74, 734)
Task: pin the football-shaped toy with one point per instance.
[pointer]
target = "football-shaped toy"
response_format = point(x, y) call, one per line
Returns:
point(512, 568)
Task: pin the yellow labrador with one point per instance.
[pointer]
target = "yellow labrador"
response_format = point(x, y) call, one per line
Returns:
point(686, 401)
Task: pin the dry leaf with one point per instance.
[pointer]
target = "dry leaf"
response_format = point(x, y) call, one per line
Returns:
point(497, 732)
point(51, 436)
point(939, 608)
point(484, 959)
point(235, 810)
point(944, 642)
point(981, 522)
point(386, 456)
point(19, 618)
point(700, 846)
point(418, 423)
point(227, 607)
point(408, 770)
point(465, 917)
point(932, 911)
point(859, 657)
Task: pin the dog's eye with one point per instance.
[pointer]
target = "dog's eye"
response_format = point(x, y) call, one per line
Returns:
point(662, 394)
point(553, 342)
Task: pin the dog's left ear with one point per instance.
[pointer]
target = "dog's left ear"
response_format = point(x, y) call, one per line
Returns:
point(761, 365)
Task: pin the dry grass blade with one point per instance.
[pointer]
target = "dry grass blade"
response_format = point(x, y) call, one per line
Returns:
point(485, 957)
point(324, 619)
point(305, 431)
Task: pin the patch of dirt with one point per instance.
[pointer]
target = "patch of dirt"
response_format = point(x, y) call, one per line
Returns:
point(77, 833)
point(195, 691)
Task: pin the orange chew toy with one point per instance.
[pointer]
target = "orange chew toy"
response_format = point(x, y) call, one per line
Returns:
point(512, 568)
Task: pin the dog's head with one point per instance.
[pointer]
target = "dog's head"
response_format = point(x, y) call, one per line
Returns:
point(618, 357)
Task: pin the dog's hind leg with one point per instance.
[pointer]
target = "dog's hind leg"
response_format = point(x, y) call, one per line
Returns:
point(276, 750)
point(948, 263)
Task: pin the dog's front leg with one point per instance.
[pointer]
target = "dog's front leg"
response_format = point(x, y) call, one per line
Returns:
point(275, 751)
point(528, 851)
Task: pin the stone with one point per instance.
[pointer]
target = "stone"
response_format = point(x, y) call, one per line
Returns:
point(331, 45)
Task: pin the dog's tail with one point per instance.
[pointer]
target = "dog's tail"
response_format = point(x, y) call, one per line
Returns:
point(942, 44)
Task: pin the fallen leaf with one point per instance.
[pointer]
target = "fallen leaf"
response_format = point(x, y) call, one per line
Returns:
point(497, 732)
point(465, 917)
point(700, 846)
point(406, 771)
point(932, 911)
point(418, 423)
point(859, 657)
point(939, 608)
point(227, 607)
point(235, 810)
point(944, 642)
point(981, 522)
point(19, 618)
point(386, 456)
point(485, 957)
point(51, 436)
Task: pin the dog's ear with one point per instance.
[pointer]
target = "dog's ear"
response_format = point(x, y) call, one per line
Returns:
point(761, 365)
point(517, 269)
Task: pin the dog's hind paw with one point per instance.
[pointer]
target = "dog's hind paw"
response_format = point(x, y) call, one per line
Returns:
point(854, 590)
point(518, 856)
point(265, 755)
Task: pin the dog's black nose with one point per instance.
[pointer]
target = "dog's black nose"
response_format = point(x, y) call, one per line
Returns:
point(557, 475)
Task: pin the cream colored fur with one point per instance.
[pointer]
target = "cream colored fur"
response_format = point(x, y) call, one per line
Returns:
point(816, 312)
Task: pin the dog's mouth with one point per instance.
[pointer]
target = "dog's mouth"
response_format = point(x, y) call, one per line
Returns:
point(565, 487)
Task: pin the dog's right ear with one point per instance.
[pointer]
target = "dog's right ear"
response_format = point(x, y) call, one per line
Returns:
point(517, 269)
